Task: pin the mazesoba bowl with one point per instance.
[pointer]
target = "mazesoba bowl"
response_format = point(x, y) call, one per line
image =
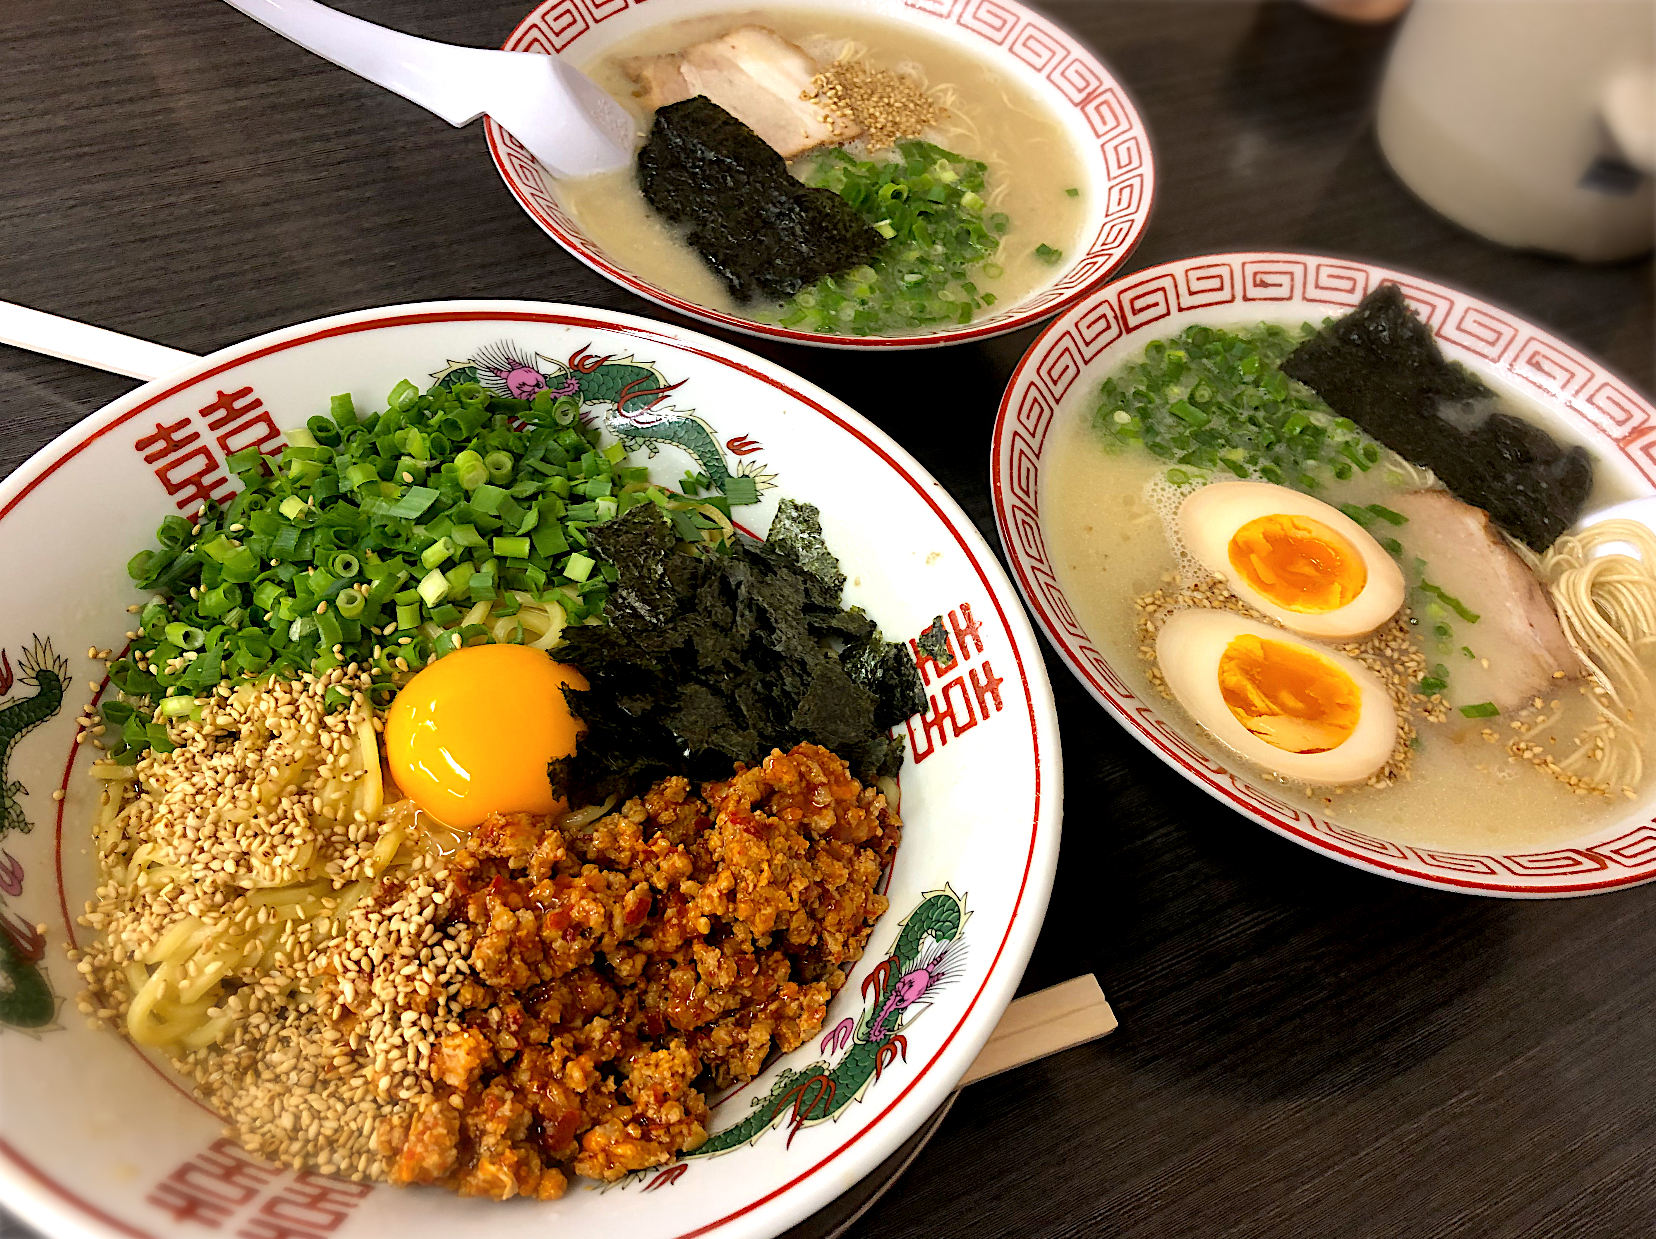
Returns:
point(1576, 399)
point(1115, 173)
point(96, 1139)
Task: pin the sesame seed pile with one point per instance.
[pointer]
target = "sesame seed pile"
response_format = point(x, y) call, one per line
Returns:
point(883, 104)
point(326, 1080)
point(325, 1018)
point(1390, 652)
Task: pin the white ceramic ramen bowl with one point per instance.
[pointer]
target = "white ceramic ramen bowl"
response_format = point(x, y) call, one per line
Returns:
point(1058, 380)
point(1111, 143)
point(99, 1140)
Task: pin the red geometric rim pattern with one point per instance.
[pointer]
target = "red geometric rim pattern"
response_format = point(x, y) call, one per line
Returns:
point(1077, 80)
point(63, 453)
point(1619, 418)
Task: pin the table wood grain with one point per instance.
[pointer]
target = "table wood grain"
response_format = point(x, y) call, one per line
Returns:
point(1305, 1050)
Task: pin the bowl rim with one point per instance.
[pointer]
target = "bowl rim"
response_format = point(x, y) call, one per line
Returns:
point(1561, 375)
point(61, 1209)
point(506, 151)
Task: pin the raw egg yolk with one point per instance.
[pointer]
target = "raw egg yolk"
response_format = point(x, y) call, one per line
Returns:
point(1288, 696)
point(1298, 563)
point(471, 734)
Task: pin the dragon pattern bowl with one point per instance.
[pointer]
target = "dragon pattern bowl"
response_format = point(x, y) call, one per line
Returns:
point(99, 1139)
point(1110, 141)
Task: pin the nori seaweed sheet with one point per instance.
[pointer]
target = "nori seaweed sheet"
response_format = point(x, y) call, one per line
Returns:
point(763, 232)
point(708, 659)
point(1380, 367)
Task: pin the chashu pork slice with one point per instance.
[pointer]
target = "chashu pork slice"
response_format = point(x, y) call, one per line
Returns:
point(1517, 634)
point(754, 74)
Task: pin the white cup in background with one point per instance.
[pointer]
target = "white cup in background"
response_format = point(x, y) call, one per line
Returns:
point(1531, 122)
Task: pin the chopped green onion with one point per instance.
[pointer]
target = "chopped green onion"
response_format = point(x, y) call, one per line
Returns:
point(367, 520)
point(1189, 413)
point(414, 501)
point(1484, 709)
point(928, 204)
point(436, 553)
point(1210, 395)
point(488, 498)
point(1073, 193)
point(471, 470)
point(434, 587)
point(1386, 514)
point(402, 395)
point(185, 637)
point(1453, 603)
point(1048, 254)
point(1361, 515)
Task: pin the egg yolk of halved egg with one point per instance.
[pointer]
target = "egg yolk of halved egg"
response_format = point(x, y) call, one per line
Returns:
point(472, 733)
point(1291, 698)
point(1296, 707)
point(1298, 563)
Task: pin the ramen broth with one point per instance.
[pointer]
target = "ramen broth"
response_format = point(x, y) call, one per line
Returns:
point(1108, 544)
point(1032, 163)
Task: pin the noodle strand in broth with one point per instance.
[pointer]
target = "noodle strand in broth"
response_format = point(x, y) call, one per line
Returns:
point(1606, 605)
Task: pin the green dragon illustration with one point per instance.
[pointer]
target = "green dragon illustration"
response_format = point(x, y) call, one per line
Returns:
point(46, 672)
point(26, 998)
point(630, 394)
point(927, 955)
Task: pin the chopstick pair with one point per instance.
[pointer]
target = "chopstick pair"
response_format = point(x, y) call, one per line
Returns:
point(1042, 1023)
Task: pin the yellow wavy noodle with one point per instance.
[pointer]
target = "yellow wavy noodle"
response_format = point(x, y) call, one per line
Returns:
point(182, 980)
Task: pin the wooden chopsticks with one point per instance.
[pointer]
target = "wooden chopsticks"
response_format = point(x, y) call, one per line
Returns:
point(1043, 1023)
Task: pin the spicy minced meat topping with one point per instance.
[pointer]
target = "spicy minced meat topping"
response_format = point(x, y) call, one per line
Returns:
point(621, 969)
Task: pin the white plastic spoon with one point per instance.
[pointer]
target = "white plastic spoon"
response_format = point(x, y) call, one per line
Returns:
point(558, 112)
point(86, 345)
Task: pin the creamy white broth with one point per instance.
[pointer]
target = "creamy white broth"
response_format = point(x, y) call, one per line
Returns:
point(1032, 162)
point(1108, 545)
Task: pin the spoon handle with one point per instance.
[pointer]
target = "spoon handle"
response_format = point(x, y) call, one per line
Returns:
point(440, 77)
point(560, 114)
point(86, 345)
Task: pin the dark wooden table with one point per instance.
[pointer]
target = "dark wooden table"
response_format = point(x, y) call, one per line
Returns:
point(1304, 1050)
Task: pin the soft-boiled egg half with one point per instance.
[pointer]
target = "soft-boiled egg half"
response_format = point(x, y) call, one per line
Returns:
point(472, 733)
point(1294, 558)
point(1296, 707)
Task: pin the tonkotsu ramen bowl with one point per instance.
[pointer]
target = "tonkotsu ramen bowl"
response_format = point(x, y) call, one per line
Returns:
point(1573, 397)
point(98, 1139)
point(1115, 173)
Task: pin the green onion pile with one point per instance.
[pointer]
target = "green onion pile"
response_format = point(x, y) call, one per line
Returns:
point(928, 204)
point(1212, 400)
point(387, 541)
